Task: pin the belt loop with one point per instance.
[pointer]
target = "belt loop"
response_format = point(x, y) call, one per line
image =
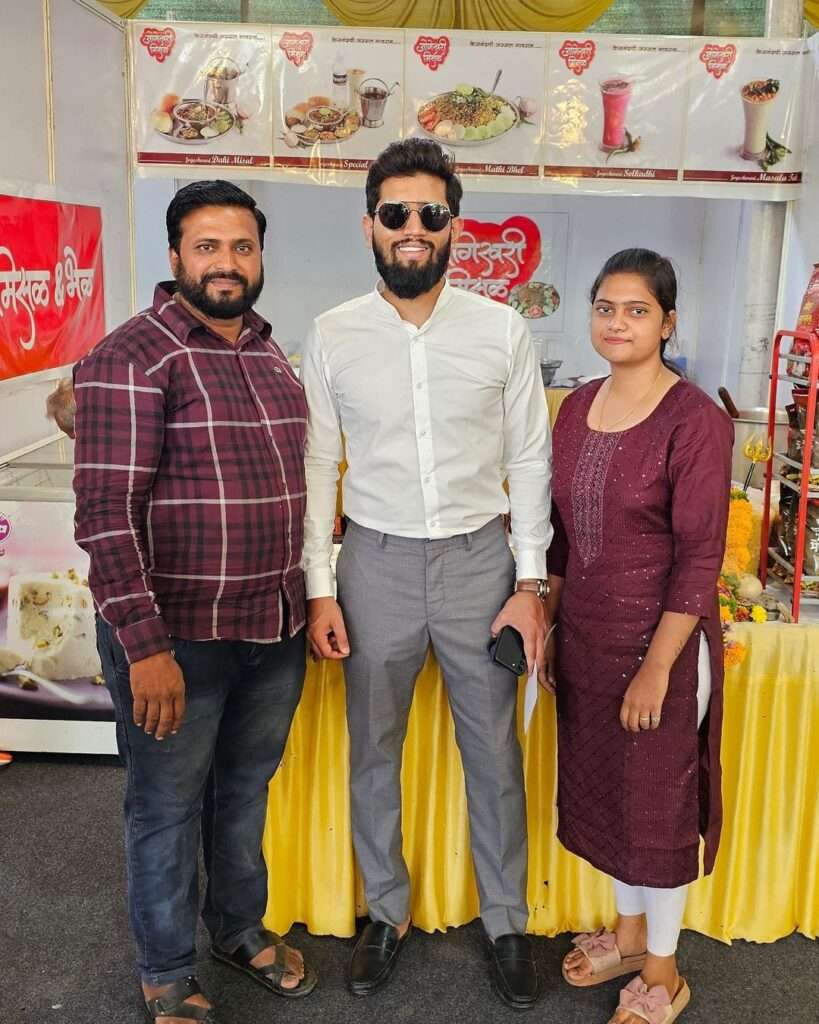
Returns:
point(468, 541)
point(382, 540)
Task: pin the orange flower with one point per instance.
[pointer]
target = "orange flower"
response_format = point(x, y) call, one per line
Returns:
point(734, 654)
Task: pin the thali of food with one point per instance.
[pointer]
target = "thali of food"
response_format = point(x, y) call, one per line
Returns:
point(467, 116)
point(193, 122)
point(534, 299)
point(320, 120)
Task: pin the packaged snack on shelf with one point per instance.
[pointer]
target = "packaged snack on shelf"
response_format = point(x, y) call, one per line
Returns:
point(809, 320)
point(810, 563)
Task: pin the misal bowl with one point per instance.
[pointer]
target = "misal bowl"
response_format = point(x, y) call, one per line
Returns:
point(325, 118)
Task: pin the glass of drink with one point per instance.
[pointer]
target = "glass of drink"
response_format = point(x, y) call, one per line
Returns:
point(616, 93)
point(355, 76)
point(757, 97)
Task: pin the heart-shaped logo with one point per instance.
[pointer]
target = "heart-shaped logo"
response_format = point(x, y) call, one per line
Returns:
point(577, 55)
point(718, 60)
point(432, 50)
point(492, 258)
point(158, 42)
point(297, 46)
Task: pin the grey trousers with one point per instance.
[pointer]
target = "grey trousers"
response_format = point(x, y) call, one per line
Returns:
point(398, 594)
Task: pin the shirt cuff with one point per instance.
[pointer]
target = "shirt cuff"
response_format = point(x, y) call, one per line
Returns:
point(142, 639)
point(530, 564)
point(319, 582)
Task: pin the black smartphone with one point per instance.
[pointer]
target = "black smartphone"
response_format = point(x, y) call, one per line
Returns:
point(507, 650)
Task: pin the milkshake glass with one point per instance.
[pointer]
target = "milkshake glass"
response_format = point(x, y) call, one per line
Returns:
point(757, 97)
point(616, 93)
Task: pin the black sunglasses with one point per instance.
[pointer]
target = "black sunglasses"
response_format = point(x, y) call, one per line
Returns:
point(434, 216)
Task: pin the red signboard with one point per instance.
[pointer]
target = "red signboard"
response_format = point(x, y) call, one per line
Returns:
point(495, 259)
point(52, 306)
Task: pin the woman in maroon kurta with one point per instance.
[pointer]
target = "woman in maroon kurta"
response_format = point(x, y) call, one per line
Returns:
point(642, 464)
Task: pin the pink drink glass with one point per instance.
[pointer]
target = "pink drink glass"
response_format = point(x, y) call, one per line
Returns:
point(616, 93)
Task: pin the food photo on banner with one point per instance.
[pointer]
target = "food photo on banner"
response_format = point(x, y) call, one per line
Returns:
point(616, 107)
point(339, 96)
point(746, 111)
point(480, 95)
point(202, 94)
point(49, 666)
point(52, 294)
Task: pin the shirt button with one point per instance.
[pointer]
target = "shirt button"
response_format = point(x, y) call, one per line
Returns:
point(422, 433)
point(420, 384)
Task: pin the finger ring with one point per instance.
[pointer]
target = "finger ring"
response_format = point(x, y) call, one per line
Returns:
point(645, 718)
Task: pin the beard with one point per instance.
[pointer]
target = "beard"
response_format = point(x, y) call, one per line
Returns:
point(408, 281)
point(223, 307)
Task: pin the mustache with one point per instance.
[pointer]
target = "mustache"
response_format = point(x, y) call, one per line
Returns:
point(233, 276)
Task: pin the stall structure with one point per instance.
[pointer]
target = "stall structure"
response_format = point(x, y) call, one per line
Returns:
point(571, 145)
point(66, 277)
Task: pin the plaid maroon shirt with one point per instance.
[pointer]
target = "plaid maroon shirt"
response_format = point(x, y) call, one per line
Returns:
point(189, 479)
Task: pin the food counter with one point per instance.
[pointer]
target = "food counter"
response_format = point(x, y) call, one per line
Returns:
point(58, 703)
point(766, 881)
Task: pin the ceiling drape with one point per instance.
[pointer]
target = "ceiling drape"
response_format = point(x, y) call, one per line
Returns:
point(487, 15)
point(124, 8)
point(491, 15)
point(511, 15)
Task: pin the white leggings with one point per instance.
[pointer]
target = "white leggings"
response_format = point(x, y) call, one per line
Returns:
point(664, 908)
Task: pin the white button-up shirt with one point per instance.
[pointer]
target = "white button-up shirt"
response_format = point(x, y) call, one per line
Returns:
point(434, 419)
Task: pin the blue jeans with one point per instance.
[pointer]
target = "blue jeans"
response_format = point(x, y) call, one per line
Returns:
point(210, 779)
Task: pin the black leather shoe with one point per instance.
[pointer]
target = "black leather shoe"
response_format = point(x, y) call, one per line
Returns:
point(513, 971)
point(374, 957)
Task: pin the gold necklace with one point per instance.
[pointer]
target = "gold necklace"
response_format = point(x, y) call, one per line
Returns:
point(636, 405)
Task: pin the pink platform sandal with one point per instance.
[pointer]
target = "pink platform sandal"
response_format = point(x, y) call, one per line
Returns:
point(654, 1004)
point(600, 949)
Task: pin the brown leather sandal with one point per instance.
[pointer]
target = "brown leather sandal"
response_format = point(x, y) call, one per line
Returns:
point(172, 1003)
point(271, 975)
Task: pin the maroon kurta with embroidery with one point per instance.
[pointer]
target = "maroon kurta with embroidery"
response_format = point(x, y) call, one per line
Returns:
point(640, 518)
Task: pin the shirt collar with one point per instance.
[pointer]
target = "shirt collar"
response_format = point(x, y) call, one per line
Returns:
point(181, 322)
point(387, 308)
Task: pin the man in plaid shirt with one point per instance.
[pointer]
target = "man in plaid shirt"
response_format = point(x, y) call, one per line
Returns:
point(190, 494)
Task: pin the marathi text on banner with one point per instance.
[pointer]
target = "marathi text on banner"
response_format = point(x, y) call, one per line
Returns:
point(51, 284)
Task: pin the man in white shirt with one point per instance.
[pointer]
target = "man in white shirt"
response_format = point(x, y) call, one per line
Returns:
point(437, 394)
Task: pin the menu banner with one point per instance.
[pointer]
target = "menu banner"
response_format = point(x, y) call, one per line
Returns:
point(480, 95)
point(202, 94)
point(616, 108)
point(745, 112)
point(52, 295)
point(339, 97)
point(680, 115)
point(516, 260)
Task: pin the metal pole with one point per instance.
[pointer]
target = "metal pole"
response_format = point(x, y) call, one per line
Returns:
point(765, 241)
point(784, 17)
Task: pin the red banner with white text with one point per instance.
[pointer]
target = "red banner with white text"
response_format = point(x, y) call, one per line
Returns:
point(52, 305)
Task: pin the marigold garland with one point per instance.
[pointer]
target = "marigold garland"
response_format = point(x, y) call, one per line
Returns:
point(738, 535)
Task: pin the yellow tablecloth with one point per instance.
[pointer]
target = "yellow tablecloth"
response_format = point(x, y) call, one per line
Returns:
point(766, 882)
